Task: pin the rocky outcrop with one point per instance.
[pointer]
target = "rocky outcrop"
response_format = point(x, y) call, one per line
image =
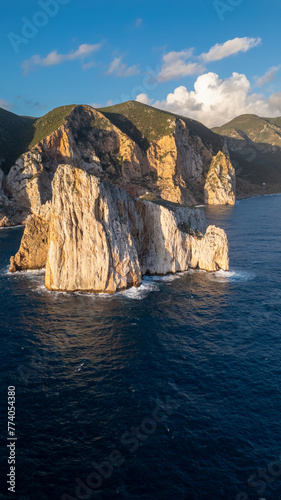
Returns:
point(34, 246)
point(220, 182)
point(173, 166)
point(4, 201)
point(28, 183)
point(100, 239)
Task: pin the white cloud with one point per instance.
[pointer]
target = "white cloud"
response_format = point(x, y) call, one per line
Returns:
point(275, 102)
point(88, 65)
point(268, 77)
point(144, 99)
point(229, 48)
point(177, 65)
point(53, 58)
point(4, 104)
point(215, 101)
point(120, 69)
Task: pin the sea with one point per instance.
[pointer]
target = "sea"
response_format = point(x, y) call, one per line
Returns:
point(171, 391)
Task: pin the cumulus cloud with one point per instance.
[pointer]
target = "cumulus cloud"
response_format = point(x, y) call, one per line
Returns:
point(120, 69)
point(215, 101)
point(54, 58)
point(268, 77)
point(177, 65)
point(4, 104)
point(229, 48)
point(144, 99)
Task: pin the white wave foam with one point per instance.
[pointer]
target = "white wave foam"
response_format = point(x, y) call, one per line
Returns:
point(231, 276)
point(132, 293)
point(4, 271)
point(27, 272)
point(141, 292)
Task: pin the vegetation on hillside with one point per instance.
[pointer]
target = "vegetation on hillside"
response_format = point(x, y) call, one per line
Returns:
point(15, 135)
point(48, 123)
point(145, 124)
point(142, 123)
point(257, 129)
point(20, 133)
point(256, 161)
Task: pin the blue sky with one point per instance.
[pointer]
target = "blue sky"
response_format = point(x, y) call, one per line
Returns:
point(56, 52)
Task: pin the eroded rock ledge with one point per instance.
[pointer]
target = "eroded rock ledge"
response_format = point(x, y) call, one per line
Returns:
point(98, 238)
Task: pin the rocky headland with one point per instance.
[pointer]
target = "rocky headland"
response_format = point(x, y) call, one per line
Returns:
point(108, 196)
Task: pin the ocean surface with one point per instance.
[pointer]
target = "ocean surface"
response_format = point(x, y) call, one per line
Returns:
point(170, 391)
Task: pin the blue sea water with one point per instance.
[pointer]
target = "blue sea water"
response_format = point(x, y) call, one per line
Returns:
point(171, 391)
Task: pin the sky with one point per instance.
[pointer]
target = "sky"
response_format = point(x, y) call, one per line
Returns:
point(210, 60)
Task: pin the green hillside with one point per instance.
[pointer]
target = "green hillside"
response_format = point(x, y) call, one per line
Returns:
point(15, 135)
point(20, 133)
point(256, 161)
point(257, 129)
point(48, 123)
point(145, 124)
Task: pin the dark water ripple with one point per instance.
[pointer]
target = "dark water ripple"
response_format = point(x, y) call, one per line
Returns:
point(87, 369)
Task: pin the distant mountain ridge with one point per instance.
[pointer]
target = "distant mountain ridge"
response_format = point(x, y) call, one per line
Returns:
point(255, 128)
point(254, 144)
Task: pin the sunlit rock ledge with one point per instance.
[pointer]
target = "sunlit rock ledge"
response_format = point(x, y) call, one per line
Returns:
point(95, 237)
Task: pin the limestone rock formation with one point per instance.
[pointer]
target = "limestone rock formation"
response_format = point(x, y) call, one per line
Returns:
point(171, 163)
point(34, 246)
point(220, 182)
point(100, 239)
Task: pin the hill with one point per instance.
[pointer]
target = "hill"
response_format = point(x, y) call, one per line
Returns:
point(254, 144)
point(255, 128)
point(148, 152)
point(145, 124)
point(18, 134)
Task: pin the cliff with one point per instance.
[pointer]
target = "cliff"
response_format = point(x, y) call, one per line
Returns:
point(220, 182)
point(98, 238)
point(147, 152)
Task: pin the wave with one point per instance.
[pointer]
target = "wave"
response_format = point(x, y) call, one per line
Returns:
point(27, 272)
point(148, 285)
point(232, 276)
